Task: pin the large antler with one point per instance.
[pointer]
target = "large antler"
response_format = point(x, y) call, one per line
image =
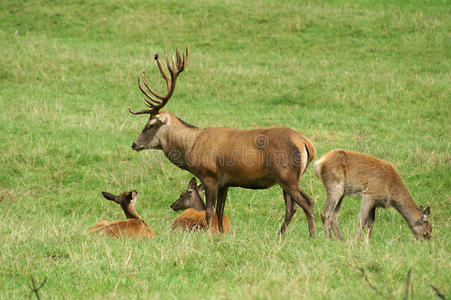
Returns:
point(156, 102)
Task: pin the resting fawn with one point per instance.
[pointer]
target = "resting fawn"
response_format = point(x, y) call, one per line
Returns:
point(376, 182)
point(194, 216)
point(134, 226)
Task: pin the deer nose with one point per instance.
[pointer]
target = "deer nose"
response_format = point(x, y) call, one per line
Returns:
point(133, 146)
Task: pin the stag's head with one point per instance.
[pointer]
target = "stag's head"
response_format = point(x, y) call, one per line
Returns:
point(422, 228)
point(156, 128)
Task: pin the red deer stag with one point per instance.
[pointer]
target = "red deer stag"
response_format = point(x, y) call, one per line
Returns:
point(223, 157)
point(376, 182)
point(134, 226)
point(193, 216)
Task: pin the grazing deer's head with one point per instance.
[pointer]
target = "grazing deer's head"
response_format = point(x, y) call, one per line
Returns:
point(190, 198)
point(127, 201)
point(422, 228)
point(156, 127)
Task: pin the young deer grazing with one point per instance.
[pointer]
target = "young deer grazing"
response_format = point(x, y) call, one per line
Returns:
point(134, 226)
point(223, 157)
point(193, 216)
point(376, 182)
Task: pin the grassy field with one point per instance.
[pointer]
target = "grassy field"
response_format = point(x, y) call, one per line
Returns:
point(370, 76)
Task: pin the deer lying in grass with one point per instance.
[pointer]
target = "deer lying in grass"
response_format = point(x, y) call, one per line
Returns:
point(134, 226)
point(193, 216)
point(223, 157)
point(376, 182)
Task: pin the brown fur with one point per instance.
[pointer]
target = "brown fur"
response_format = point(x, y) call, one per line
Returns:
point(376, 182)
point(134, 226)
point(191, 219)
point(223, 157)
point(194, 216)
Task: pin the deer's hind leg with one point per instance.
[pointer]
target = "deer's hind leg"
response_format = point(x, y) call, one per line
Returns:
point(222, 196)
point(303, 200)
point(329, 215)
point(290, 209)
point(335, 220)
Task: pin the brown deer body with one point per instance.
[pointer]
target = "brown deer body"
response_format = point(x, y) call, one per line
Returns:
point(194, 216)
point(376, 182)
point(134, 226)
point(223, 157)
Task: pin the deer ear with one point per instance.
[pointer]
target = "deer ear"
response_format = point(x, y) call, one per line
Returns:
point(160, 118)
point(200, 188)
point(192, 184)
point(110, 196)
point(427, 211)
point(421, 208)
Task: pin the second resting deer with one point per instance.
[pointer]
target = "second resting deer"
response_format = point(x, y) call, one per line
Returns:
point(376, 182)
point(193, 216)
point(134, 226)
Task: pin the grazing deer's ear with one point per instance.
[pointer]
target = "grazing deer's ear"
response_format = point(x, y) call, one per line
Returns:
point(109, 196)
point(192, 184)
point(421, 208)
point(427, 211)
point(200, 188)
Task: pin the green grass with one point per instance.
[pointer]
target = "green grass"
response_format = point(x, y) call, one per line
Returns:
point(370, 76)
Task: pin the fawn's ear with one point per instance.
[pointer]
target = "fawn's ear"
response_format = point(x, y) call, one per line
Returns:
point(200, 188)
point(110, 197)
point(192, 183)
point(427, 211)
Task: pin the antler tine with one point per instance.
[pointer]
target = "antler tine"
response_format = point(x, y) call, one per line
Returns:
point(168, 64)
point(178, 65)
point(162, 72)
point(179, 58)
point(140, 112)
point(148, 103)
point(150, 89)
point(185, 62)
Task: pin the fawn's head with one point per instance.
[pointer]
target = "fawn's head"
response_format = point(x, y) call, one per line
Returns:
point(422, 228)
point(190, 198)
point(127, 201)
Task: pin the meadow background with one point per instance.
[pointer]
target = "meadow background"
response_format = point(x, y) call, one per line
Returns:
point(371, 76)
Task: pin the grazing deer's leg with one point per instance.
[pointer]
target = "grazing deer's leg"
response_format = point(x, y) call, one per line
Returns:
point(211, 195)
point(335, 220)
point(222, 196)
point(365, 209)
point(304, 201)
point(335, 192)
point(370, 222)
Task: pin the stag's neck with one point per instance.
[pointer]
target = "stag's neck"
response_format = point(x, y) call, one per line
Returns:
point(179, 141)
point(406, 206)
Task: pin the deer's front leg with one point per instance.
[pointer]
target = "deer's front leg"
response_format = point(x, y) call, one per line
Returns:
point(211, 193)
